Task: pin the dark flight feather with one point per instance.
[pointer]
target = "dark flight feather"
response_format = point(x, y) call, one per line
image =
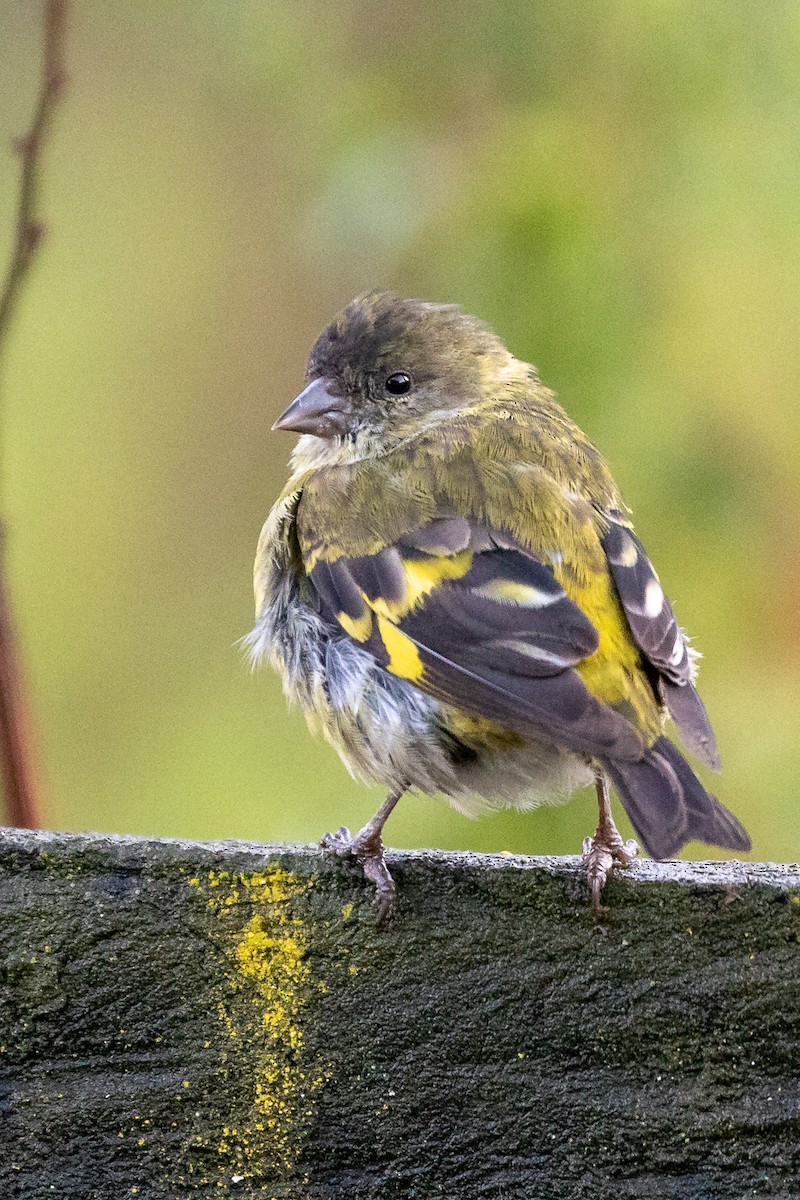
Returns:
point(689, 714)
point(468, 621)
point(655, 630)
point(557, 706)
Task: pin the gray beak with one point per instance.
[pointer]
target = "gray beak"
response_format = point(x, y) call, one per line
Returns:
point(317, 411)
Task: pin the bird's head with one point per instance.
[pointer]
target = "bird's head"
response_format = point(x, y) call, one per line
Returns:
point(385, 367)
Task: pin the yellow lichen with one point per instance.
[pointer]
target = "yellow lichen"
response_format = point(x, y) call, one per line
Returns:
point(262, 1009)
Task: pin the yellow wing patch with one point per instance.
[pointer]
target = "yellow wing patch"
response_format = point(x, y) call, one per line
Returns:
point(404, 659)
point(613, 673)
point(359, 628)
point(423, 575)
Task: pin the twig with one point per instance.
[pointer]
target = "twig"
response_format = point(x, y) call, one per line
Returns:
point(29, 229)
point(16, 752)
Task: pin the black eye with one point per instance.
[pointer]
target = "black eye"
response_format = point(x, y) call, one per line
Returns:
point(398, 384)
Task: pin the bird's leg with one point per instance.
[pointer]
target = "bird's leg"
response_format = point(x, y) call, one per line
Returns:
point(606, 849)
point(366, 847)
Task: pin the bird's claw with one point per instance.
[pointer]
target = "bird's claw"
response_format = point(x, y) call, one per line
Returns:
point(367, 850)
point(339, 843)
point(601, 854)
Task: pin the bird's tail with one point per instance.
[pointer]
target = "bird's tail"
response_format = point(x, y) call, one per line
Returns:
point(668, 805)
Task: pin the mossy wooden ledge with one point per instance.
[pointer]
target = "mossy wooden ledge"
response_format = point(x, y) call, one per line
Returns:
point(181, 1018)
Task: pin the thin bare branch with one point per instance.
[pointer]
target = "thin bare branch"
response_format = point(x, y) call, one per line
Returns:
point(29, 228)
point(17, 759)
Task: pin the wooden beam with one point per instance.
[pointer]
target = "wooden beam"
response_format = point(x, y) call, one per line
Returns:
point(183, 1018)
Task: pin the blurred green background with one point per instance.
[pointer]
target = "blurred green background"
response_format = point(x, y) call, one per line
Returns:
point(615, 188)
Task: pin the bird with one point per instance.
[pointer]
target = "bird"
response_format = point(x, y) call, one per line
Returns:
point(452, 591)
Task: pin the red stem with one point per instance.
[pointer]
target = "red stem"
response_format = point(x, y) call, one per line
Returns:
point(16, 742)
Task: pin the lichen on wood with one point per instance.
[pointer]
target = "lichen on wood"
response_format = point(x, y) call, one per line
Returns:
point(183, 1019)
point(263, 1003)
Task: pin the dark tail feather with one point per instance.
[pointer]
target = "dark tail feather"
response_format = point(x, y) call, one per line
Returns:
point(668, 805)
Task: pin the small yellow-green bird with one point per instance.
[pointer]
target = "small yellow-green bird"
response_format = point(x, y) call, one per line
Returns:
point(452, 591)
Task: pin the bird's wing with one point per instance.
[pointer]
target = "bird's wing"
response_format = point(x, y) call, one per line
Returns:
point(656, 632)
point(469, 616)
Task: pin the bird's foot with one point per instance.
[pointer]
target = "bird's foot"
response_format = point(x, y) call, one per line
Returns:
point(366, 847)
point(601, 854)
